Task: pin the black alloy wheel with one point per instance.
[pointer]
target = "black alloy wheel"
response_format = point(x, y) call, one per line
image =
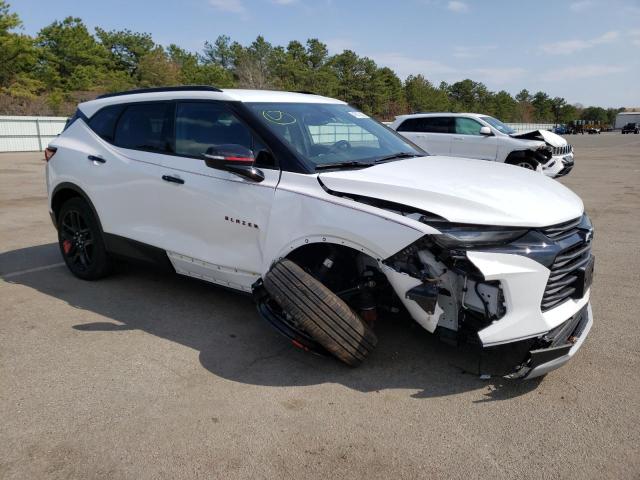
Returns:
point(81, 242)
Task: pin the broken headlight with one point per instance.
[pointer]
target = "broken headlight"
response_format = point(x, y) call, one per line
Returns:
point(545, 151)
point(469, 236)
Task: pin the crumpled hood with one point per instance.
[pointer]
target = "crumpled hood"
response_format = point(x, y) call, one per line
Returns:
point(463, 190)
point(551, 138)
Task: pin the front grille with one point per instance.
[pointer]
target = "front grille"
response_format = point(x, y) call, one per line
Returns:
point(565, 269)
point(564, 150)
point(562, 230)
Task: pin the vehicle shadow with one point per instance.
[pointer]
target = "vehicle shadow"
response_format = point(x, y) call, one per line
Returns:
point(236, 344)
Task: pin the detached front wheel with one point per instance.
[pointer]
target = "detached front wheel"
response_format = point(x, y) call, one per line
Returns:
point(320, 313)
point(80, 241)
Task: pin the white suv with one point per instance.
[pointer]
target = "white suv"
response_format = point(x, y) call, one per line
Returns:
point(328, 218)
point(483, 137)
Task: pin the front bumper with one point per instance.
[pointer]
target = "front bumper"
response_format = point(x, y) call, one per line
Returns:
point(558, 165)
point(543, 360)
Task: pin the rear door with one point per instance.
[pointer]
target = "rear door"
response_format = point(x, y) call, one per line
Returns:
point(433, 134)
point(468, 142)
point(127, 166)
point(215, 221)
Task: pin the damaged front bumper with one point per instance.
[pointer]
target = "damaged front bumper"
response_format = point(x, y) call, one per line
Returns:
point(525, 305)
point(564, 342)
point(558, 165)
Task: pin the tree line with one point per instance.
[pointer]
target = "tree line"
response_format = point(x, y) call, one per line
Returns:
point(49, 73)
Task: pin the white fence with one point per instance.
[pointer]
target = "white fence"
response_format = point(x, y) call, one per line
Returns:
point(332, 133)
point(528, 127)
point(28, 134)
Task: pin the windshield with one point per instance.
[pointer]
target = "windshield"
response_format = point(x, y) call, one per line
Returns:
point(329, 134)
point(498, 125)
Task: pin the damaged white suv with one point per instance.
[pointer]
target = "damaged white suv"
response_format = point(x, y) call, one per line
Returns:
point(482, 137)
point(328, 218)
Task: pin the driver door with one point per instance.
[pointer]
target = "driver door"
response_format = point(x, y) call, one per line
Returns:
point(469, 142)
point(216, 222)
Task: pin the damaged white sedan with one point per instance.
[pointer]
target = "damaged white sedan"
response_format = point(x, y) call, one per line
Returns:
point(329, 219)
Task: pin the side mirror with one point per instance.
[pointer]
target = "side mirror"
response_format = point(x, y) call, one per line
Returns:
point(235, 159)
point(486, 131)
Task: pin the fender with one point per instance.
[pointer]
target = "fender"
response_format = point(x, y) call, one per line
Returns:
point(304, 213)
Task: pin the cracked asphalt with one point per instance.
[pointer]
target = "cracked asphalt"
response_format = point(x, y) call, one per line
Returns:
point(150, 375)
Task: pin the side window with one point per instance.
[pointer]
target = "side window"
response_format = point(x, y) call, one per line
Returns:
point(467, 126)
point(410, 125)
point(202, 125)
point(437, 124)
point(427, 125)
point(104, 121)
point(146, 126)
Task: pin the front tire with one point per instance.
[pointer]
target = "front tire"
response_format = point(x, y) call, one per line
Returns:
point(80, 240)
point(527, 164)
point(320, 313)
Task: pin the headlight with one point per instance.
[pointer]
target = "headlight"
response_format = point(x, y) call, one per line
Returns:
point(546, 151)
point(469, 236)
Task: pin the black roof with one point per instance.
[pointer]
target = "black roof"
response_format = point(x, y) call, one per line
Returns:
point(181, 88)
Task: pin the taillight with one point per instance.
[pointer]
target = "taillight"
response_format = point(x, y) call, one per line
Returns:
point(49, 152)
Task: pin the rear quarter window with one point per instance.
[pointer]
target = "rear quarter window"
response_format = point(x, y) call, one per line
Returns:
point(104, 121)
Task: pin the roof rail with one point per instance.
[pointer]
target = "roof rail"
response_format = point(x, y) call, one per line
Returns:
point(306, 92)
point(181, 88)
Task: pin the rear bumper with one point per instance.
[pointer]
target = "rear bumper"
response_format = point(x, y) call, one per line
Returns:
point(570, 337)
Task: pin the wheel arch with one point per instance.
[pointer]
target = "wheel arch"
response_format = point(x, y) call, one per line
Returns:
point(321, 242)
point(517, 155)
point(66, 191)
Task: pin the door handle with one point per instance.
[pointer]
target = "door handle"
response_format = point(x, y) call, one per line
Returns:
point(169, 178)
point(95, 158)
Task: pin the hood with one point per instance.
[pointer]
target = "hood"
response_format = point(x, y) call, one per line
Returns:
point(550, 138)
point(463, 190)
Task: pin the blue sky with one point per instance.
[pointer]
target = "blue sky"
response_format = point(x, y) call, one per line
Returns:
point(587, 51)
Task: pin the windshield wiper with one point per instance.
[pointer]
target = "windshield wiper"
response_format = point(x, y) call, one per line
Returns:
point(353, 164)
point(396, 155)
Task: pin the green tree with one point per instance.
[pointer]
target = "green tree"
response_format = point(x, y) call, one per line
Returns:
point(541, 104)
point(568, 114)
point(557, 107)
point(469, 96)
point(126, 48)
point(17, 53)
point(350, 73)
point(252, 64)
point(524, 109)
point(156, 69)
point(70, 57)
point(504, 106)
point(221, 52)
point(595, 114)
point(389, 93)
point(422, 96)
point(193, 72)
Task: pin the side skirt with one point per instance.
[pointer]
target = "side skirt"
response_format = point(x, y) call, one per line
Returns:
point(209, 272)
point(139, 252)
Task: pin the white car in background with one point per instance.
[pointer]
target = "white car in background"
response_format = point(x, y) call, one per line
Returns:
point(473, 135)
point(327, 218)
